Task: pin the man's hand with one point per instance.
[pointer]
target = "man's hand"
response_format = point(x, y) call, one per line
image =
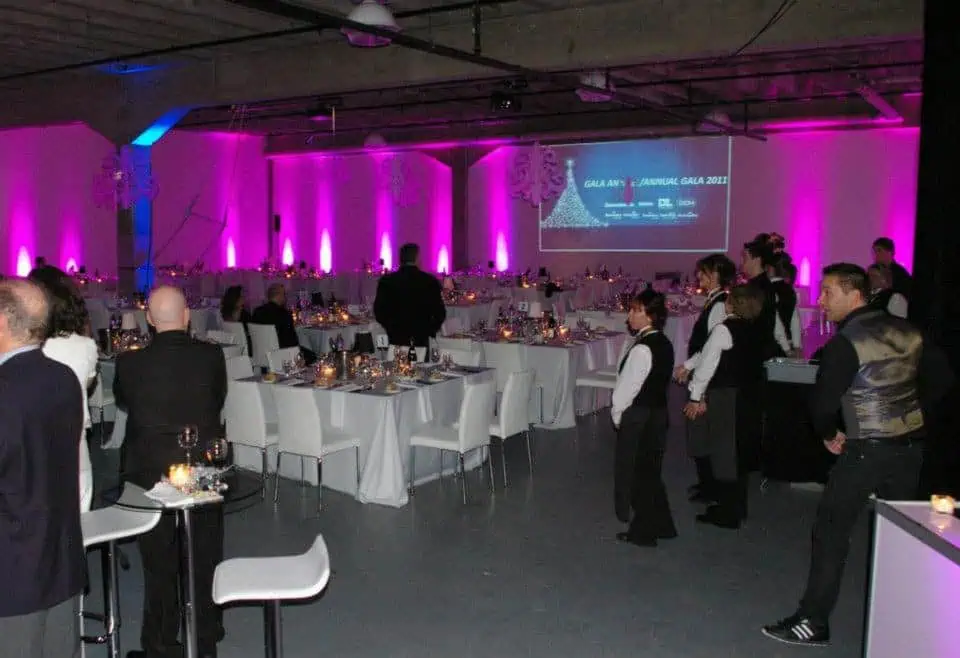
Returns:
point(693, 410)
point(681, 375)
point(835, 445)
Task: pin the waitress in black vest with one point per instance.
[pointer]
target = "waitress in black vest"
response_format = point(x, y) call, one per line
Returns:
point(639, 411)
point(882, 294)
point(730, 361)
point(715, 274)
point(786, 330)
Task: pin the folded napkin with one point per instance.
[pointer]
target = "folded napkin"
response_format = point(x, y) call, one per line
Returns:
point(169, 496)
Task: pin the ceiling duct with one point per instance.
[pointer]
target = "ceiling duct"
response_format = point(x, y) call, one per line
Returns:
point(372, 14)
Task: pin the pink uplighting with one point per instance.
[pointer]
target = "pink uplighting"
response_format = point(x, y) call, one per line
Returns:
point(326, 253)
point(71, 266)
point(231, 254)
point(287, 257)
point(831, 124)
point(803, 272)
point(24, 262)
point(443, 261)
point(386, 251)
point(503, 258)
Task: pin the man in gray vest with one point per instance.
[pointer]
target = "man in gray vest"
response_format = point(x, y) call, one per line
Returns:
point(866, 407)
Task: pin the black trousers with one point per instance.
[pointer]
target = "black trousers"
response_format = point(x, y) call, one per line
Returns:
point(890, 470)
point(638, 480)
point(160, 552)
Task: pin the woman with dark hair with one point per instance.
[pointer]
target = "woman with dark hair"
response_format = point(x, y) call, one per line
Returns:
point(68, 342)
point(233, 306)
point(730, 364)
point(786, 328)
point(715, 274)
point(639, 412)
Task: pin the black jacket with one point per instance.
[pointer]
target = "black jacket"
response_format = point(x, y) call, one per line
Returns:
point(42, 559)
point(282, 319)
point(173, 382)
point(409, 306)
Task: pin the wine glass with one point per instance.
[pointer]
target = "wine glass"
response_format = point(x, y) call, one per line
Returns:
point(299, 362)
point(187, 439)
point(216, 454)
point(435, 354)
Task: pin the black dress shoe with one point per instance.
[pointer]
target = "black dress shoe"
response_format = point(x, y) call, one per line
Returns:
point(137, 654)
point(717, 516)
point(647, 542)
point(667, 534)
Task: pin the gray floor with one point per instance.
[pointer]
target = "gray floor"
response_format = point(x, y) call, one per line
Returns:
point(533, 570)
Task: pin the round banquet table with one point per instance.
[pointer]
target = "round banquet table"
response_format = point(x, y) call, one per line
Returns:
point(242, 486)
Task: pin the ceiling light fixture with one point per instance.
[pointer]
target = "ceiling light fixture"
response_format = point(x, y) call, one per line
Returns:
point(597, 87)
point(374, 14)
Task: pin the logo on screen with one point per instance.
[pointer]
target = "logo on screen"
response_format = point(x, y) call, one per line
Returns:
point(665, 204)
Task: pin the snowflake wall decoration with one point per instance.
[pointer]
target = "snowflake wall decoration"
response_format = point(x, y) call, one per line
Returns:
point(123, 181)
point(396, 177)
point(537, 175)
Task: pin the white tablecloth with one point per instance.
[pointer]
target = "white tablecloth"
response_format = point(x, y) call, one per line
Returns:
point(384, 424)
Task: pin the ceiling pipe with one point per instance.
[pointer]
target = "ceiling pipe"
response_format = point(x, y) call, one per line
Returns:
point(879, 103)
point(309, 15)
point(220, 43)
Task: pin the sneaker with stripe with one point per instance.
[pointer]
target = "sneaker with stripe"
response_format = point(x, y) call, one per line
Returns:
point(800, 630)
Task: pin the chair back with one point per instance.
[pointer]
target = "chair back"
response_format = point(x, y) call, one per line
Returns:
point(244, 414)
point(263, 338)
point(230, 351)
point(239, 367)
point(298, 418)
point(237, 331)
point(515, 403)
point(476, 410)
point(275, 358)
point(222, 337)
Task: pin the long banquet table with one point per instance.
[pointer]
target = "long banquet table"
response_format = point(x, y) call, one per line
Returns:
point(384, 424)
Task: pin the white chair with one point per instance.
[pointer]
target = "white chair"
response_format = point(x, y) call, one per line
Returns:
point(263, 339)
point(302, 434)
point(239, 367)
point(237, 331)
point(246, 421)
point(514, 417)
point(272, 580)
point(230, 351)
point(597, 381)
point(104, 528)
point(275, 358)
point(100, 400)
point(470, 432)
point(221, 337)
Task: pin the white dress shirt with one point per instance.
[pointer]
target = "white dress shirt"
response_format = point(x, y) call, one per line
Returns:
point(630, 379)
point(795, 342)
point(719, 341)
point(79, 353)
point(717, 315)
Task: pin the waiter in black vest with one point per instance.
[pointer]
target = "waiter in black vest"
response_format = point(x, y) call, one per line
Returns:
point(639, 412)
point(715, 274)
point(786, 329)
point(870, 375)
point(409, 303)
point(755, 259)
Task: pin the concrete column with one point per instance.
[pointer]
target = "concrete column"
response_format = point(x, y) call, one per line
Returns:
point(135, 229)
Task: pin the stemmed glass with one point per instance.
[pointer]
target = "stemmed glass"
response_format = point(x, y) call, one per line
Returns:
point(435, 354)
point(187, 439)
point(216, 455)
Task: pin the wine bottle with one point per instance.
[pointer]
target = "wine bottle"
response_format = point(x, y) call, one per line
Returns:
point(412, 353)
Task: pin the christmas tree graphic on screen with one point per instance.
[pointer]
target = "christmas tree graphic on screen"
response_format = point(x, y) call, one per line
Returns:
point(570, 211)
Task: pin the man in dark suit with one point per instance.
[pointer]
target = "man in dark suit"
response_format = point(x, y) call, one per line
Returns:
point(175, 381)
point(42, 560)
point(409, 303)
point(275, 312)
point(883, 254)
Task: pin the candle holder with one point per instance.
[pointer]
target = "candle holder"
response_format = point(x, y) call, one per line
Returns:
point(181, 477)
point(942, 504)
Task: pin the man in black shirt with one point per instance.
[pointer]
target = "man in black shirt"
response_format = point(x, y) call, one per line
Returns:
point(275, 312)
point(409, 303)
point(883, 254)
point(870, 376)
point(755, 259)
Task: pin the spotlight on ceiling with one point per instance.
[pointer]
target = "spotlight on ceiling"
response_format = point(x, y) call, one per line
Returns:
point(597, 87)
point(505, 101)
point(374, 14)
point(714, 122)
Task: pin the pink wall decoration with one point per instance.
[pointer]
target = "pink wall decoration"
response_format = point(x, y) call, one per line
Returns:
point(213, 191)
point(829, 193)
point(537, 174)
point(342, 210)
point(47, 205)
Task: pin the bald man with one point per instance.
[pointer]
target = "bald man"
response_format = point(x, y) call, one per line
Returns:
point(173, 382)
point(42, 561)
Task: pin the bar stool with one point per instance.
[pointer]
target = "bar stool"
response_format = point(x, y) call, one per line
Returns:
point(271, 580)
point(104, 528)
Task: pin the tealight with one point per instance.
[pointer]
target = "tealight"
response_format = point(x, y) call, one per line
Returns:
point(942, 504)
point(180, 476)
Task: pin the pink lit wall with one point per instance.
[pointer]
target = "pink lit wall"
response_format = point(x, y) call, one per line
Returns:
point(47, 204)
point(829, 193)
point(213, 193)
point(338, 211)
